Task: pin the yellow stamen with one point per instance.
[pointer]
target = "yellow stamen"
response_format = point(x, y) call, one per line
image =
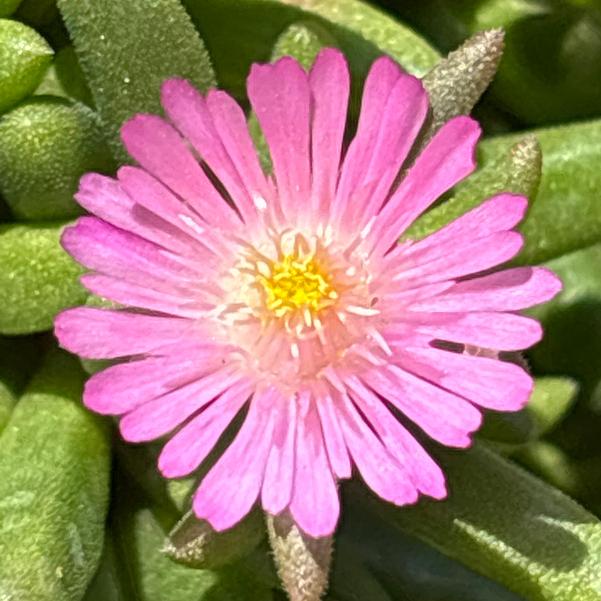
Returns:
point(296, 283)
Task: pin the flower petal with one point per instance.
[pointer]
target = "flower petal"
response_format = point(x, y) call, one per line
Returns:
point(104, 334)
point(102, 247)
point(444, 416)
point(508, 290)
point(446, 160)
point(489, 383)
point(381, 472)
point(500, 331)
point(228, 492)
point(160, 150)
point(161, 415)
point(191, 445)
point(381, 146)
point(425, 474)
point(104, 197)
point(188, 111)
point(279, 471)
point(330, 82)
point(280, 96)
point(315, 505)
point(123, 387)
point(333, 437)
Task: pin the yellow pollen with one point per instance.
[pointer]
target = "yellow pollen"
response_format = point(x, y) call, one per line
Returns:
point(296, 283)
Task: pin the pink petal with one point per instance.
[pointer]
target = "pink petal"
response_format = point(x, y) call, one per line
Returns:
point(280, 96)
point(471, 256)
point(230, 489)
point(135, 295)
point(379, 84)
point(489, 383)
point(148, 192)
point(122, 388)
point(508, 290)
point(329, 81)
point(444, 416)
point(384, 149)
point(498, 214)
point(501, 331)
point(100, 246)
point(279, 471)
point(160, 150)
point(425, 474)
point(191, 445)
point(230, 122)
point(381, 472)
point(188, 111)
point(315, 505)
point(161, 415)
point(448, 158)
point(333, 437)
point(105, 198)
point(103, 334)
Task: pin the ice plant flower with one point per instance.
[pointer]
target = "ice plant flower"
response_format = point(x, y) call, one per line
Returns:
point(287, 298)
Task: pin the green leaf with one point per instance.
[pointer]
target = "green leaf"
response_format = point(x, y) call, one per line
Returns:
point(46, 145)
point(54, 479)
point(138, 541)
point(7, 403)
point(8, 7)
point(24, 57)
point(252, 27)
point(19, 357)
point(509, 526)
point(516, 169)
point(551, 400)
point(65, 78)
point(368, 547)
point(566, 214)
point(194, 543)
point(572, 345)
point(549, 462)
point(127, 48)
point(37, 278)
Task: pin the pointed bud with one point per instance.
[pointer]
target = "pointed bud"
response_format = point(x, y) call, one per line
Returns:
point(195, 543)
point(302, 562)
point(456, 83)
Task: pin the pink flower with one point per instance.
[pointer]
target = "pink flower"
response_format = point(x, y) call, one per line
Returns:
point(288, 296)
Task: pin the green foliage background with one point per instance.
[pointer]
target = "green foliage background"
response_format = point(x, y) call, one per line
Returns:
point(84, 516)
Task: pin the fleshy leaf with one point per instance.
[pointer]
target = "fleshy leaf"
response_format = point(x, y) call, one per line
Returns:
point(46, 145)
point(37, 278)
point(54, 484)
point(566, 214)
point(193, 542)
point(509, 526)
point(138, 537)
point(127, 48)
point(65, 78)
point(8, 7)
point(550, 401)
point(24, 57)
point(252, 26)
point(370, 549)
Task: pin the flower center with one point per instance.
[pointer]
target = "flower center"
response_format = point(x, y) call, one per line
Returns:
point(295, 283)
